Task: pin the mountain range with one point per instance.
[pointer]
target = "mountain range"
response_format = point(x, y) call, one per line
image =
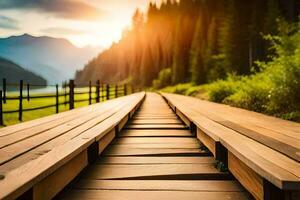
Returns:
point(13, 73)
point(54, 59)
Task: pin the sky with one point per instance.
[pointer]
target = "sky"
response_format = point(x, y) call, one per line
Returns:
point(83, 22)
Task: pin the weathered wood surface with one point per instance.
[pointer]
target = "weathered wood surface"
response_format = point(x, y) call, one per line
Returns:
point(266, 146)
point(155, 133)
point(160, 161)
point(44, 150)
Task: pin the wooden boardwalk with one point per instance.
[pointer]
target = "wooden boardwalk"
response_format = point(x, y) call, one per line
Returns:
point(155, 156)
point(151, 146)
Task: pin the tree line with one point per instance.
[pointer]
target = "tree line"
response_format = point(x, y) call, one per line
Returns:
point(196, 41)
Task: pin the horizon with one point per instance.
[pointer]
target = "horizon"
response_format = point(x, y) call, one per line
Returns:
point(95, 23)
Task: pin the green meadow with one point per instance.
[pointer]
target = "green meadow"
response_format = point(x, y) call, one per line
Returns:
point(12, 118)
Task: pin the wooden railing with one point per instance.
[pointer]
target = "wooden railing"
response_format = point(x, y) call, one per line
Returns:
point(96, 93)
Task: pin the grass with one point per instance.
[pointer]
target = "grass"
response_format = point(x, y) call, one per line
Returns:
point(12, 118)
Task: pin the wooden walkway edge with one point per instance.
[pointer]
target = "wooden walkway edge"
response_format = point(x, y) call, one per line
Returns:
point(262, 152)
point(151, 146)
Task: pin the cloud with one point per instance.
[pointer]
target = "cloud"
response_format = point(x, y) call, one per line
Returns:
point(8, 23)
point(63, 31)
point(71, 9)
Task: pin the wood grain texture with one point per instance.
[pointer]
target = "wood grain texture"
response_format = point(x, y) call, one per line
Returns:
point(155, 133)
point(150, 195)
point(246, 176)
point(150, 185)
point(257, 140)
point(52, 161)
point(106, 140)
point(52, 184)
point(207, 141)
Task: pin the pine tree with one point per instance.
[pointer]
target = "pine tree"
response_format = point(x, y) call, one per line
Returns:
point(147, 68)
point(178, 70)
point(197, 68)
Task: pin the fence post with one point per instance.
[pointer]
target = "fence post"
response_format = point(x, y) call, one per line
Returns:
point(90, 92)
point(65, 90)
point(57, 99)
point(116, 91)
point(107, 91)
point(4, 90)
point(98, 91)
point(71, 94)
point(28, 97)
point(125, 89)
point(1, 109)
point(21, 100)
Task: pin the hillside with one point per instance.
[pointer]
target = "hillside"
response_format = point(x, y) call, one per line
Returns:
point(191, 41)
point(14, 73)
point(55, 59)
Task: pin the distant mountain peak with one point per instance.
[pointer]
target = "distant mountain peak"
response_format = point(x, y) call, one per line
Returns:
point(56, 59)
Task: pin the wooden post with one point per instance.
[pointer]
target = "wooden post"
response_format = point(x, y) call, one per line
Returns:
point(21, 100)
point(125, 89)
point(71, 95)
point(57, 99)
point(28, 97)
point(107, 91)
point(116, 91)
point(98, 91)
point(1, 109)
point(90, 92)
point(4, 90)
point(65, 89)
point(102, 92)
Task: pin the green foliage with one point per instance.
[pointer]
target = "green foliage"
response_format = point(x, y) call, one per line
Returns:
point(164, 78)
point(275, 89)
point(221, 89)
point(185, 89)
point(178, 89)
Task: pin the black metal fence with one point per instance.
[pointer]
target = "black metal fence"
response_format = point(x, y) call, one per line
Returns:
point(96, 93)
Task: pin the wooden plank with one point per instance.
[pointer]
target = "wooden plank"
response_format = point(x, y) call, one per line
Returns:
point(166, 185)
point(156, 126)
point(106, 140)
point(52, 184)
point(160, 146)
point(122, 123)
point(53, 119)
point(150, 195)
point(156, 160)
point(157, 140)
point(183, 118)
point(31, 132)
point(277, 168)
point(273, 166)
point(46, 147)
point(155, 133)
point(118, 151)
point(155, 121)
point(246, 176)
point(286, 145)
point(37, 169)
point(283, 140)
point(156, 118)
point(207, 141)
point(155, 172)
point(14, 150)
